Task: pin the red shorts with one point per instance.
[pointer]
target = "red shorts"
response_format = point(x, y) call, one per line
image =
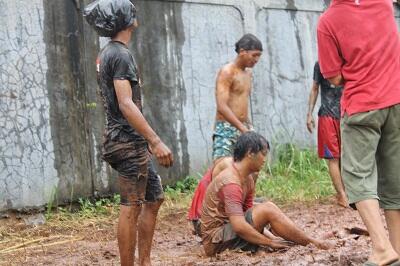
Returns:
point(328, 137)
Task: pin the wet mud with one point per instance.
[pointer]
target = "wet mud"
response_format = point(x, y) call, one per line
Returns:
point(175, 245)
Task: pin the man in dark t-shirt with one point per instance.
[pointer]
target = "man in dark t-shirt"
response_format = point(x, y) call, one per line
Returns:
point(328, 128)
point(127, 140)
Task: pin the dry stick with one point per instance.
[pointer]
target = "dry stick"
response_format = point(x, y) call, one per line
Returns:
point(5, 241)
point(45, 245)
point(29, 242)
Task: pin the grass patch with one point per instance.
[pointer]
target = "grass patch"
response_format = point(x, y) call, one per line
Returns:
point(180, 195)
point(94, 212)
point(296, 175)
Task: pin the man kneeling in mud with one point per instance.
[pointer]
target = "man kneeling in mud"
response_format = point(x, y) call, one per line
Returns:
point(229, 220)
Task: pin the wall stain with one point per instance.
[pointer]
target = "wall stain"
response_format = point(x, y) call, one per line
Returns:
point(66, 88)
point(292, 9)
point(158, 50)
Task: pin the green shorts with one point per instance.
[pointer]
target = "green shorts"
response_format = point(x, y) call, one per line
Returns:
point(224, 139)
point(371, 156)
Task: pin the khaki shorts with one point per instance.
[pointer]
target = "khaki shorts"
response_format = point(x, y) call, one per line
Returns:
point(371, 156)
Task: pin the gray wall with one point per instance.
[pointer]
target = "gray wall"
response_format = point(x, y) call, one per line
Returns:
point(51, 115)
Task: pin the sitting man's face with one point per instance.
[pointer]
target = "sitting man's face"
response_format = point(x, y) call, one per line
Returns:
point(258, 160)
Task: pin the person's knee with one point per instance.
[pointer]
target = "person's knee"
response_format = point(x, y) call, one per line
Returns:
point(334, 162)
point(270, 210)
point(269, 205)
point(266, 209)
point(130, 211)
point(159, 202)
point(155, 205)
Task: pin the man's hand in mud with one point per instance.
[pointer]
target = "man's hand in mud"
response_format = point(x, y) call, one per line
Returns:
point(280, 244)
point(162, 153)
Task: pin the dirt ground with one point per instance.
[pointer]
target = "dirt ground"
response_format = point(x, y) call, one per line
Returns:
point(94, 243)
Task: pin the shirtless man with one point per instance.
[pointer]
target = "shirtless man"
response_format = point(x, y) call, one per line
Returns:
point(232, 95)
point(230, 221)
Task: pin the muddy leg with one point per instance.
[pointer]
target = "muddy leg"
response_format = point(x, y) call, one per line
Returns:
point(269, 213)
point(127, 227)
point(334, 172)
point(147, 224)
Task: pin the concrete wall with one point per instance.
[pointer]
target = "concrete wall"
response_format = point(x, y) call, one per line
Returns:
point(190, 43)
point(51, 115)
point(27, 173)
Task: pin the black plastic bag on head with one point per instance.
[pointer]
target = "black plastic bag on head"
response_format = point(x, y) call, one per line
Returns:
point(108, 17)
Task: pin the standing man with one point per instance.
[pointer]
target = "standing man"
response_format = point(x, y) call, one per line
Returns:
point(127, 140)
point(359, 46)
point(232, 93)
point(328, 128)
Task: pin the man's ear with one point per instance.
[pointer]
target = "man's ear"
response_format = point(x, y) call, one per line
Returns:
point(251, 155)
point(241, 51)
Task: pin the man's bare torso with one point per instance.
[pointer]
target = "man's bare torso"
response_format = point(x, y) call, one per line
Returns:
point(239, 91)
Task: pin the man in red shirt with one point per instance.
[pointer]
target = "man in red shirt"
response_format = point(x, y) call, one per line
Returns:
point(228, 218)
point(359, 47)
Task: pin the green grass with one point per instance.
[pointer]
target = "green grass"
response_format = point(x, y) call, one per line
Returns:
point(85, 208)
point(180, 195)
point(296, 175)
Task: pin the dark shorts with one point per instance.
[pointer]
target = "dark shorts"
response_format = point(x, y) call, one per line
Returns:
point(230, 240)
point(139, 182)
point(328, 137)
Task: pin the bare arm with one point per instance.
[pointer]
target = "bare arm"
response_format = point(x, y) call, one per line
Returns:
point(337, 81)
point(250, 234)
point(312, 99)
point(224, 83)
point(135, 118)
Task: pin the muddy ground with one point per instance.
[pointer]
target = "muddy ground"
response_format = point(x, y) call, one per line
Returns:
point(93, 242)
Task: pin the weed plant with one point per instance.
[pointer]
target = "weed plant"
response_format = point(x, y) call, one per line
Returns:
point(296, 175)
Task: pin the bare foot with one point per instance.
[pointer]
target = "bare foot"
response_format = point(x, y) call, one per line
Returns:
point(324, 244)
point(385, 258)
point(342, 201)
point(328, 235)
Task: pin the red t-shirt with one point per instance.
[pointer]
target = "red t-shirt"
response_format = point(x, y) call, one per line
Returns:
point(231, 195)
point(359, 39)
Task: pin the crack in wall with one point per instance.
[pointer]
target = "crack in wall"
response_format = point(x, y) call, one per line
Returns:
point(26, 145)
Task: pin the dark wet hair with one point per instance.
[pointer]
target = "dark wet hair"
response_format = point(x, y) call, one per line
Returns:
point(248, 42)
point(249, 142)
